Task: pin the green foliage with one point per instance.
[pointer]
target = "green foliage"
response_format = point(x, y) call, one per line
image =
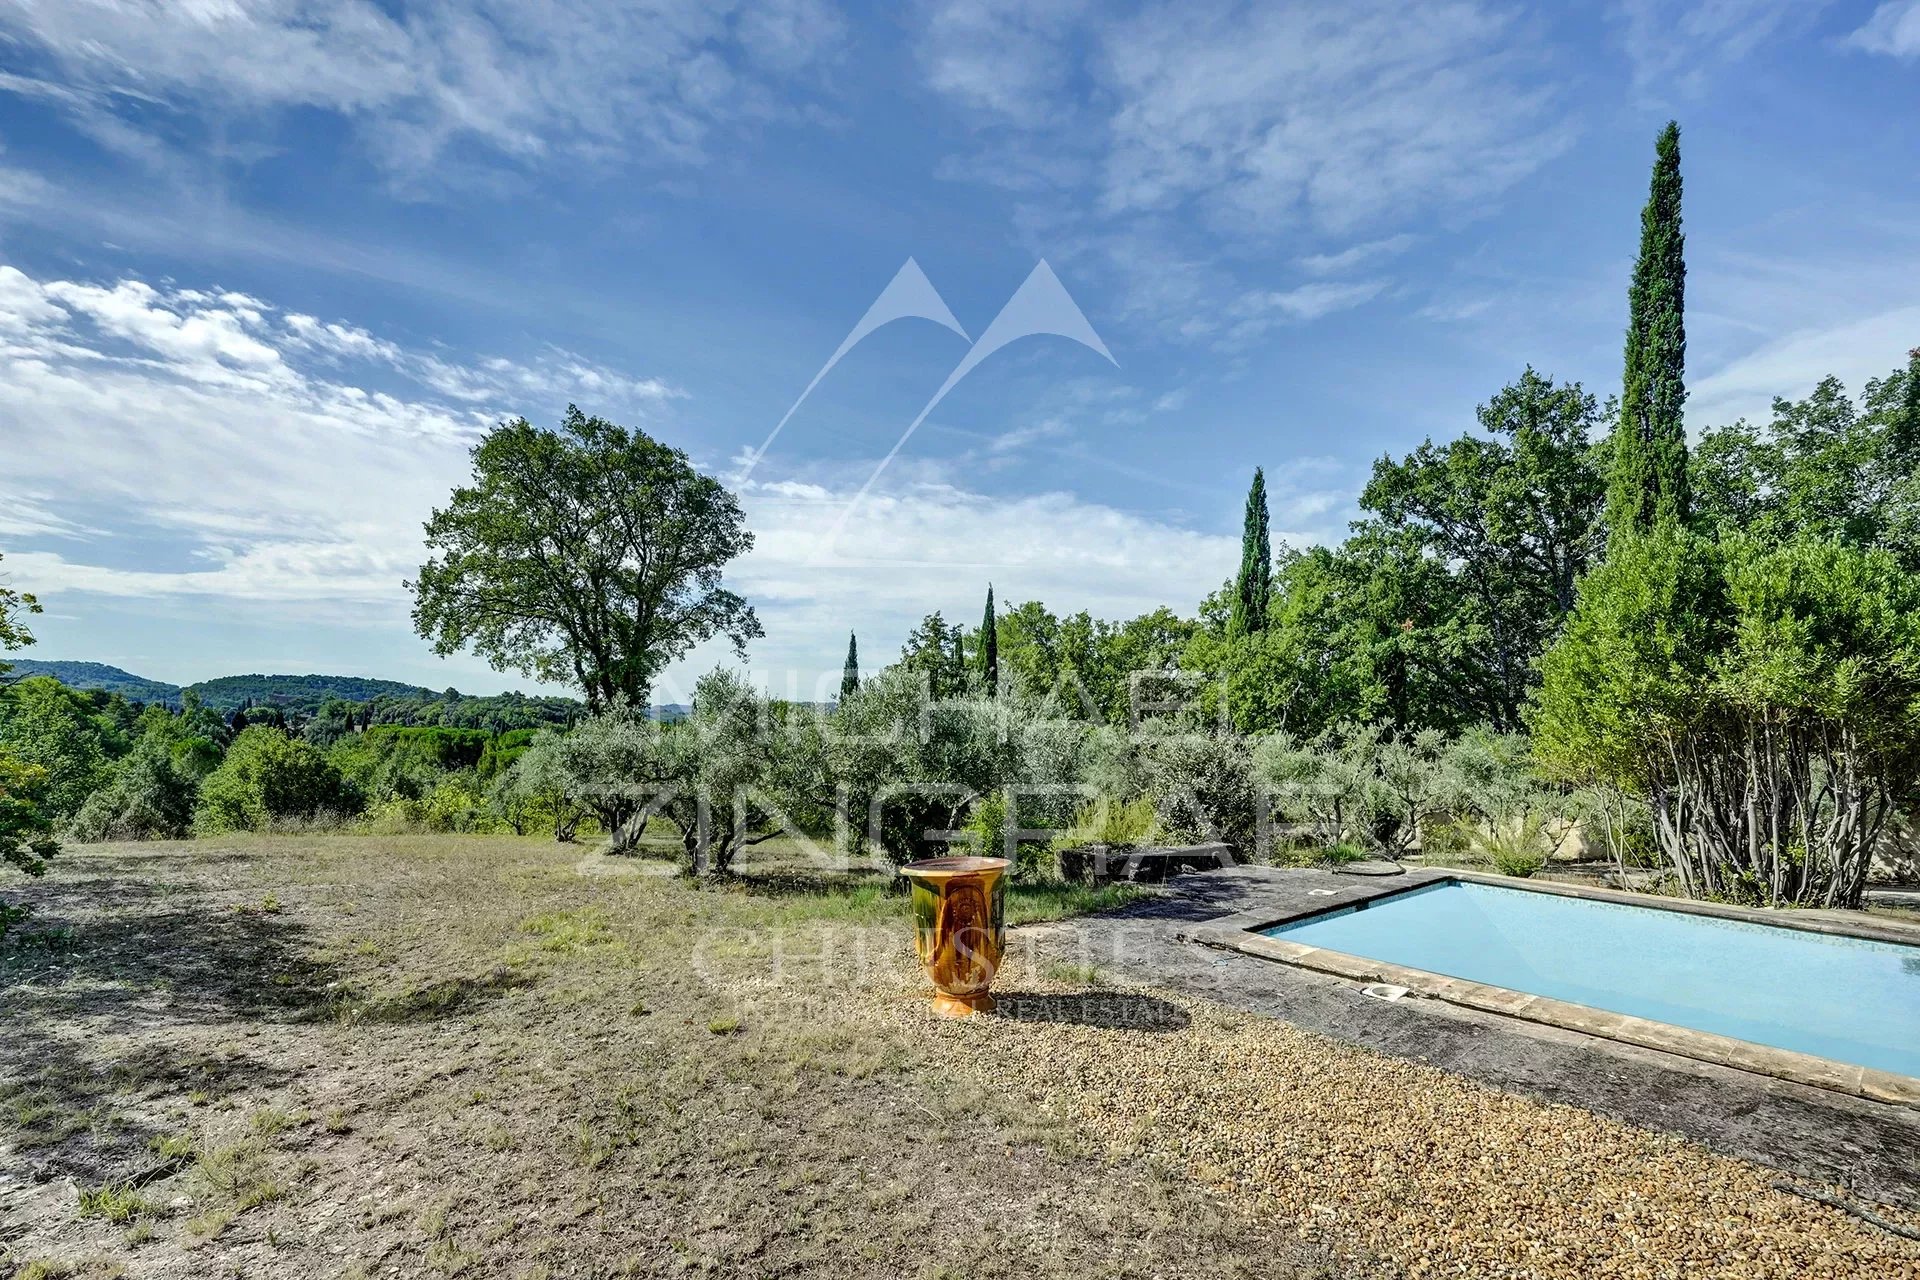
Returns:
point(44, 723)
point(935, 651)
point(1201, 786)
point(988, 646)
point(850, 674)
point(301, 694)
point(1764, 697)
point(1825, 467)
point(535, 793)
point(1518, 847)
point(148, 798)
point(1080, 667)
point(1648, 485)
point(1253, 587)
point(1107, 821)
point(727, 764)
point(268, 778)
point(98, 675)
point(590, 556)
point(1503, 527)
point(26, 830)
point(909, 764)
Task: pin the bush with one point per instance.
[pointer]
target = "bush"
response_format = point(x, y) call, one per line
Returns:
point(1107, 821)
point(1201, 787)
point(147, 798)
point(1763, 698)
point(1518, 847)
point(26, 831)
point(268, 778)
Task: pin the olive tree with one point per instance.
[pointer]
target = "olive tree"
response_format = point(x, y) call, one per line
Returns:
point(613, 766)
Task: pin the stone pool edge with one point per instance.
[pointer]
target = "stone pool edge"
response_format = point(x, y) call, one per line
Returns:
point(1240, 933)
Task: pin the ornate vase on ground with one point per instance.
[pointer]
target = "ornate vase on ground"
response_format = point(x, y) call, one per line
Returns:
point(960, 928)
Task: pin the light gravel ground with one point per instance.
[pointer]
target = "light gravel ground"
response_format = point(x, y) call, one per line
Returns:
point(1429, 1170)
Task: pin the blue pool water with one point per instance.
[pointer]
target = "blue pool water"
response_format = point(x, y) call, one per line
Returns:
point(1850, 999)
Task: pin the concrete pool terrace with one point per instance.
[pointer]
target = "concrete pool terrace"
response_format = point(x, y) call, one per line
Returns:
point(1187, 937)
point(1245, 932)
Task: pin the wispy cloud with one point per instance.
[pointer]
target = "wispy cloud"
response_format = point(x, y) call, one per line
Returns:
point(1676, 46)
point(1326, 264)
point(1893, 29)
point(651, 81)
point(1867, 347)
point(202, 442)
point(1183, 142)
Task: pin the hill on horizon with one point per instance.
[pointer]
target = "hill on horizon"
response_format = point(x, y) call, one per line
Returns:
point(301, 695)
point(224, 693)
point(98, 675)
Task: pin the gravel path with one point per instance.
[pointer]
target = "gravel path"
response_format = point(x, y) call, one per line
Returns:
point(1440, 1174)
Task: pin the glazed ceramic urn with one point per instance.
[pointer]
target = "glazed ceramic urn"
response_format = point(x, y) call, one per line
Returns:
point(960, 928)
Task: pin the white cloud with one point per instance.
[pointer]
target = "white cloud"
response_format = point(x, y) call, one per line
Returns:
point(999, 57)
point(1326, 264)
point(242, 452)
point(1184, 141)
point(1869, 346)
point(1268, 117)
point(1893, 29)
point(203, 454)
point(1333, 118)
point(1675, 46)
point(651, 80)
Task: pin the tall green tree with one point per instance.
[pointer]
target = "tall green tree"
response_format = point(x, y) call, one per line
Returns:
point(1253, 588)
point(990, 647)
point(26, 826)
point(1827, 466)
point(934, 648)
point(850, 674)
point(591, 556)
point(13, 632)
point(1761, 695)
point(1648, 485)
point(1511, 521)
point(44, 723)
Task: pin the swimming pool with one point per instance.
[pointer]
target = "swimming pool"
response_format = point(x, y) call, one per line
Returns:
point(1854, 1000)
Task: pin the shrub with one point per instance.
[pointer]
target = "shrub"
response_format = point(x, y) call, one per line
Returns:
point(147, 798)
point(26, 839)
point(1201, 787)
point(989, 826)
point(268, 778)
point(1107, 821)
point(1763, 698)
point(1518, 847)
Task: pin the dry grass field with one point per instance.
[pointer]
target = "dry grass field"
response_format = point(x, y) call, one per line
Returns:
point(348, 1056)
point(369, 1056)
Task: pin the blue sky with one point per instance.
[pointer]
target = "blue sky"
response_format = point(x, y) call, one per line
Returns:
point(267, 267)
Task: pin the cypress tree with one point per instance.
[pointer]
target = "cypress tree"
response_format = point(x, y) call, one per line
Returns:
point(990, 648)
point(850, 676)
point(1648, 484)
point(1253, 588)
